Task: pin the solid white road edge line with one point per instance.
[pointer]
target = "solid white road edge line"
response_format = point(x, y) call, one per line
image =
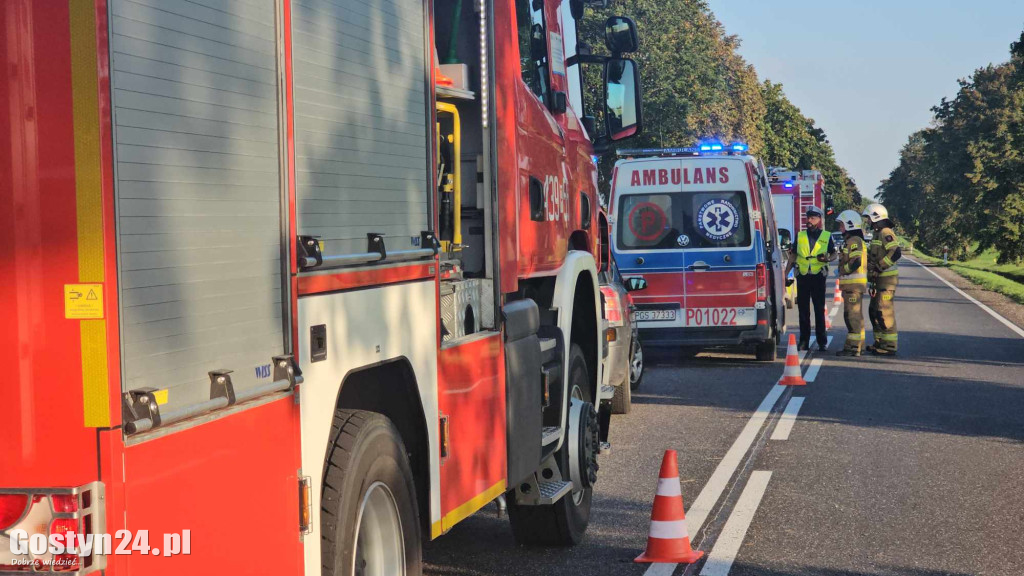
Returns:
point(828, 342)
point(728, 544)
point(990, 311)
point(716, 485)
point(788, 418)
point(812, 370)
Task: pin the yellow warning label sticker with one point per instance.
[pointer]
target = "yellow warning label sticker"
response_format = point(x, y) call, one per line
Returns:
point(161, 397)
point(83, 301)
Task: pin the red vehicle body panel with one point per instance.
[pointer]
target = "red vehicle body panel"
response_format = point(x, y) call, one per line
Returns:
point(546, 147)
point(720, 289)
point(174, 482)
point(39, 243)
point(471, 392)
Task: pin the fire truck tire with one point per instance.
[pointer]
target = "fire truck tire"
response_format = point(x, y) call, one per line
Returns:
point(369, 498)
point(565, 522)
point(622, 401)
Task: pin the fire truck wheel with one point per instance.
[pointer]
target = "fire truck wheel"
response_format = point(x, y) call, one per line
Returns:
point(369, 519)
point(565, 522)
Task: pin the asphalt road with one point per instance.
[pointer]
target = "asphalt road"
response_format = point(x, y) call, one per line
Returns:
point(911, 465)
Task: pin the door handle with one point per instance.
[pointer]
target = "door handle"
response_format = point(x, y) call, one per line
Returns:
point(699, 265)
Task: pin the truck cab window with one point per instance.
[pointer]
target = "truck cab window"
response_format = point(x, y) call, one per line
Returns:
point(533, 48)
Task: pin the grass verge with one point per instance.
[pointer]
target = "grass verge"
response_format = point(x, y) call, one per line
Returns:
point(988, 280)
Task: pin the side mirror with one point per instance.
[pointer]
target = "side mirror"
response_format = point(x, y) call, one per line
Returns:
point(576, 9)
point(622, 113)
point(635, 283)
point(620, 35)
point(785, 239)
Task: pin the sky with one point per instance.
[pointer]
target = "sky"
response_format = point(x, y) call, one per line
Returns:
point(869, 71)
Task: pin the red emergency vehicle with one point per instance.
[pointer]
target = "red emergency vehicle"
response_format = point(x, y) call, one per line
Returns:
point(697, 224)
point(284, 287)
point(793, 192)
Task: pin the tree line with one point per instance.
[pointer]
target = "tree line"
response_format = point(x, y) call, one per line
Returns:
point(695, 86)
point(959, 183)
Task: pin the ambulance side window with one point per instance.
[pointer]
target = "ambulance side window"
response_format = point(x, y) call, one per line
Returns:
point(533, 48)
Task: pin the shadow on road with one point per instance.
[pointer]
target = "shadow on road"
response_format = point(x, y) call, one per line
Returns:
point(940, 383)
point(740, 569)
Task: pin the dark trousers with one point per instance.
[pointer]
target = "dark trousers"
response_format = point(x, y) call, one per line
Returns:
point(811, 288)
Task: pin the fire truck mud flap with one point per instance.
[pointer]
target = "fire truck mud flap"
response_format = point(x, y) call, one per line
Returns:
point(524, 390)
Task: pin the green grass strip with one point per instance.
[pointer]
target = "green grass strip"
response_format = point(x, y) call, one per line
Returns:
point(993, 281)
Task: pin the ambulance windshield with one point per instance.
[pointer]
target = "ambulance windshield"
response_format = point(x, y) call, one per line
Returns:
point(683, 220)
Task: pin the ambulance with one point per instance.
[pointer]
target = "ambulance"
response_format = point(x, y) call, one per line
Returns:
point(698, 225)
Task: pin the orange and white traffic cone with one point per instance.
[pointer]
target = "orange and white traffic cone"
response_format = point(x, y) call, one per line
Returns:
point(669, 541)
point(837, 297)
point(828, 320)
point(791, 376)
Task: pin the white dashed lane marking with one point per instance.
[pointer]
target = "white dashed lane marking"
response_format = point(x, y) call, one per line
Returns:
point(812, 370)
point(788, 418)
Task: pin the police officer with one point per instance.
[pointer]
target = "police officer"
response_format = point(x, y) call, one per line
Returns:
point(814, 249)
point(883, 276)
point(853, 280)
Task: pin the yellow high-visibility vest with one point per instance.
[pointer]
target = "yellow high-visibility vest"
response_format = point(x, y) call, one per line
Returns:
point(806, 258)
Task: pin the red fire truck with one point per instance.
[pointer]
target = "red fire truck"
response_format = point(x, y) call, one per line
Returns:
point(793, 192)
point(286, 293)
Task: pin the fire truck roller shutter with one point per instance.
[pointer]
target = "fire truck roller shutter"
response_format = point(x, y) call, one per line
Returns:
point(362, 145)
point(197, 156)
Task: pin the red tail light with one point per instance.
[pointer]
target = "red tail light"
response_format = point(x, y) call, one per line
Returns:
point(612, 309)
point(12, 506)
point(761, 276)
point(64, 503)
point(64, 526)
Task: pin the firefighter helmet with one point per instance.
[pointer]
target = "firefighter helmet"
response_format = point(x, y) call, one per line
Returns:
point(850, 220)
point(875, 212)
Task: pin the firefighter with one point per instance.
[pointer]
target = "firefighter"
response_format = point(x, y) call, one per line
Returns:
point(883, 276)
point(814, 250)
point(853, 280)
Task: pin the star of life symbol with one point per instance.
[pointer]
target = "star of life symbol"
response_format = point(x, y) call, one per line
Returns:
point(718, 219)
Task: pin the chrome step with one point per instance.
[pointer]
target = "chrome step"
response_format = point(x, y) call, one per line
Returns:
point(552, 491)
point(550, 435)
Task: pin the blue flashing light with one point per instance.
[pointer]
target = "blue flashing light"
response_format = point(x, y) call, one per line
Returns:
point(739, 147)
point(716, 147)
point(787, 185)
point(706, 148)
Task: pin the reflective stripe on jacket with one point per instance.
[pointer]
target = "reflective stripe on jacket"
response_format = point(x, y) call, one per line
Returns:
point(885, 272)
point(806, 257)
point(854, 252)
